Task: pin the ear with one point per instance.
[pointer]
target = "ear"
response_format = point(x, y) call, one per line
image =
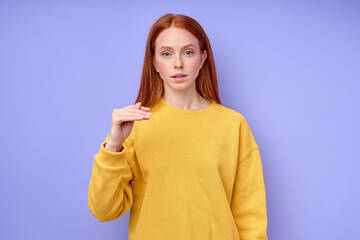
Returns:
point(203, 58)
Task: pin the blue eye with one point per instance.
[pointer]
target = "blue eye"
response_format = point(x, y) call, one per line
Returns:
point(166, 54)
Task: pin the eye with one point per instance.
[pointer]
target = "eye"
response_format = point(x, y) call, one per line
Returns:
point(191, 52)
point(165, 53)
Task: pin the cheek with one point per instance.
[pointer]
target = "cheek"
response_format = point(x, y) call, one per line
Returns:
point(162, 66)
point(162, 69)
point(195, 64)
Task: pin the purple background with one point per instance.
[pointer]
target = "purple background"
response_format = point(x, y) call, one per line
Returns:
point(291, 68)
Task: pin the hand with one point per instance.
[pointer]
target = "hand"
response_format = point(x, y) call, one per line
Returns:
point(122, 123)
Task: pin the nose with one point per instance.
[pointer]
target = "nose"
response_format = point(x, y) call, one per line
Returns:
point(178, 62)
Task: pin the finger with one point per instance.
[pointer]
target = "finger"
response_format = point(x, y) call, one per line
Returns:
point(132, 110)
point(132, 106)
point(126, 118)
point(137, 105)
point(131, 113)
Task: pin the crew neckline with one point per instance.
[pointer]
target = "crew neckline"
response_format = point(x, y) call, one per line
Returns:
point(187, 113)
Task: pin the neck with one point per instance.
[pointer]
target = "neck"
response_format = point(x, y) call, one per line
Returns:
point(186, 101)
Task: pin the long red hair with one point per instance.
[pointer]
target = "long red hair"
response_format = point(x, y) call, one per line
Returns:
point(152, 86)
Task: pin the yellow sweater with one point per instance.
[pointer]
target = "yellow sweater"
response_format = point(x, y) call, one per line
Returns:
point(185, 175)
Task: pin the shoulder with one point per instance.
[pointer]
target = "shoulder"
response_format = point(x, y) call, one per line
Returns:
point(229, 113)
point(247, 140)
point(236, 120)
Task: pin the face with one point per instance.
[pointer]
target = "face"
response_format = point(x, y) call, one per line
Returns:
point(178, 51)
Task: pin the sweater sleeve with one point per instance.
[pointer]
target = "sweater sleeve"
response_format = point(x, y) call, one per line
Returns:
point(248, 202)
point(110, 190)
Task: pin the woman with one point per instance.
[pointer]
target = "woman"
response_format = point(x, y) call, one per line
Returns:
point(187, 166)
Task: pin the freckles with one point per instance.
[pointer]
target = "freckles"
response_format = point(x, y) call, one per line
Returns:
point(161, 64)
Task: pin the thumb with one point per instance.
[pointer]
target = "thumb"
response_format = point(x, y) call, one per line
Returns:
point(137, 105)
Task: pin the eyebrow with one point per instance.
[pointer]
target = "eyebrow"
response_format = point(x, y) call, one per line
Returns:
point(189, 45)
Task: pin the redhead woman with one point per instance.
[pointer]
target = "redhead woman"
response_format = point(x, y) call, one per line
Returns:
point(187, 167)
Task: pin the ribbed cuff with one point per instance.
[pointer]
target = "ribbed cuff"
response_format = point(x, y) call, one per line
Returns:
point(112, 159)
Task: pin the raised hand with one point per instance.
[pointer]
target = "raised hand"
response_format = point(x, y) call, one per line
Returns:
point(122, 123)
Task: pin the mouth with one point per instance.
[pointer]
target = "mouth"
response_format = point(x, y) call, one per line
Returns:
point(179, 75)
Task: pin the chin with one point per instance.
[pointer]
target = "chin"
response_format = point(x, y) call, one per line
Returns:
point(179, 88)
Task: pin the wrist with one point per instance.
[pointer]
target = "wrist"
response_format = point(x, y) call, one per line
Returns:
point(113, 147)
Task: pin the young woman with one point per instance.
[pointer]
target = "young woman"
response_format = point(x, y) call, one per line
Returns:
point(187, 166)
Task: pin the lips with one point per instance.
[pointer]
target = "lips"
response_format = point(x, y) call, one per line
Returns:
point(178, 75)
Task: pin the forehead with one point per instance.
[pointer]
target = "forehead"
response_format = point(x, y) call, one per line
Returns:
point(176, 38)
